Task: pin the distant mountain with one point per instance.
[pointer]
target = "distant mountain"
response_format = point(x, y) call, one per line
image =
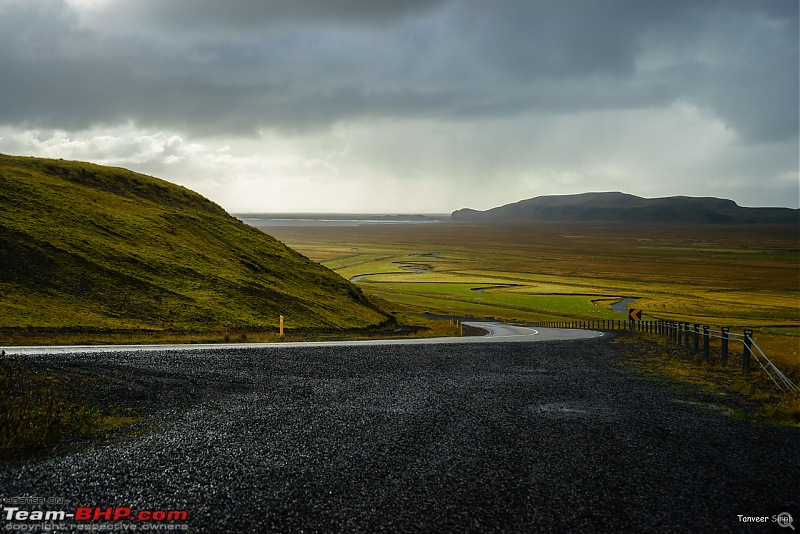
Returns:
point(84, 246)
point(621, 207)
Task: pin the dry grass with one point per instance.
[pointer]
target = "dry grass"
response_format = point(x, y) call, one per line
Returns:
point(40, 410)
point(723, 390)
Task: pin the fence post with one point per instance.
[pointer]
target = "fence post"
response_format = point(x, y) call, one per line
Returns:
point(724, 357)
point(705, 343)
point(686, 337)
point(748, 343)
point(696, 338)
point(679, 328)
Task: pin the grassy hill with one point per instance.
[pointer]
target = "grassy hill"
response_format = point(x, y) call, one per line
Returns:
point(85, 247)
point(622, 207)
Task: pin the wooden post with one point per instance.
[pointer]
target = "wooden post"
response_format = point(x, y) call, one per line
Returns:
point(679, 331)
point(705, 343)
point(748, 343)
point(686, 336)
point(281, 327)
point(696, 338)
point(724, 357)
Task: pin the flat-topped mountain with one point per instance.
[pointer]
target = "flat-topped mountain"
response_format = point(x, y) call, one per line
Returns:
point(88, 246)
point(622, 207)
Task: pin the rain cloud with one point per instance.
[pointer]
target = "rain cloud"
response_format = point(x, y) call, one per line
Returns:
point(373, 97)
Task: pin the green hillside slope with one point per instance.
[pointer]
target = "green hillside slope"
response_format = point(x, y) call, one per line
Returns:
point(94, 247)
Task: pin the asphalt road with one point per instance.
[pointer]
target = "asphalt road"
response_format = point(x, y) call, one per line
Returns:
point(470, 437)
point(494, 332)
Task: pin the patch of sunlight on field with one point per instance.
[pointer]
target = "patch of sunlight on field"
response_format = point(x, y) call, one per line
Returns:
point(459, 308)
point(504, 298)
point(408, 277)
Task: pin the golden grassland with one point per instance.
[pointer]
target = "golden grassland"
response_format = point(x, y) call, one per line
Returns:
point(716, 275)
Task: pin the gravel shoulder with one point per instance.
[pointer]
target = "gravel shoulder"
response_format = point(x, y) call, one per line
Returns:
point(512, 437)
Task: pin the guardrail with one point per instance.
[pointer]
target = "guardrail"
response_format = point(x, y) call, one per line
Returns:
point(690, 336)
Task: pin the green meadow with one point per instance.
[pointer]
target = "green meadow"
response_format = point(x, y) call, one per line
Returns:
point(717, 275)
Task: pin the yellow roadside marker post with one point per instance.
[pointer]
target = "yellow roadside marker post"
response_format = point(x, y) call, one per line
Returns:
point(281, 332)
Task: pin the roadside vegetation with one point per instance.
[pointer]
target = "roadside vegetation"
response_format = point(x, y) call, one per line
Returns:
point(724, 390)
point(41, 410)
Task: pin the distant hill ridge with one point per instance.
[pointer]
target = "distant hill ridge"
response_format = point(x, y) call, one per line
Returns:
point(622, 207)
point(95, 247)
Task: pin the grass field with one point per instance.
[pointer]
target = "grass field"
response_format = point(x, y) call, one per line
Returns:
point(737, 276)
point(89, 252)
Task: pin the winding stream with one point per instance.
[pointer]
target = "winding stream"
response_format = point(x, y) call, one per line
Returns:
point(622, 305)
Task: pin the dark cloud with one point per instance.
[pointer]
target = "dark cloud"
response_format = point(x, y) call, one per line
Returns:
point(240, 15)
point(238, 67)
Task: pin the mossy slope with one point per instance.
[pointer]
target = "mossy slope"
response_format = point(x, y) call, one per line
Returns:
point(88, 246)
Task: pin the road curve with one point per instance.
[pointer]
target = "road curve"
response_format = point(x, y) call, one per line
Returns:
point(496, 332)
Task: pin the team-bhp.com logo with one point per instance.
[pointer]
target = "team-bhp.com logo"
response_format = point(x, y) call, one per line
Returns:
point(95, 518)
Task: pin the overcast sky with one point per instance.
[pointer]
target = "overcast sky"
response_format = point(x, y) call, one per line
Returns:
point(421, 106)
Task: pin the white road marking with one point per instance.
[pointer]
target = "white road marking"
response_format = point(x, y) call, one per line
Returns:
point(497, 332)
